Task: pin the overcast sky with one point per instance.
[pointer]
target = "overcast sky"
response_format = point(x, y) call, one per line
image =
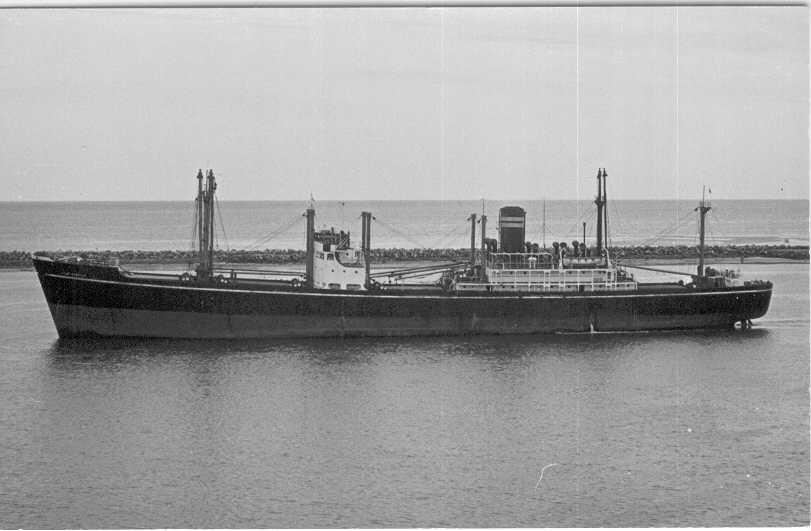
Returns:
point(453, 103)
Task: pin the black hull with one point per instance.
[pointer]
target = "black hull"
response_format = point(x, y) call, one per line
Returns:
point(91, 300)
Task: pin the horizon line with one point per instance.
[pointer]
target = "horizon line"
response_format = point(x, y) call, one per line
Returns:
point(384, 4)
point(377, 200)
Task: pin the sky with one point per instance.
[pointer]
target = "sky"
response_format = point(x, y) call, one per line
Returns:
point(404, 103)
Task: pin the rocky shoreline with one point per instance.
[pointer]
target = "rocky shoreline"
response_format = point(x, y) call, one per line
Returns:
point(17, 259)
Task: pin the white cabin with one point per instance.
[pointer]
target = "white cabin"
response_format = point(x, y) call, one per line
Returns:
point(339, 269)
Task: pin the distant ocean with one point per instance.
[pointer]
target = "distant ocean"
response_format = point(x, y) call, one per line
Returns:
point(34, 226)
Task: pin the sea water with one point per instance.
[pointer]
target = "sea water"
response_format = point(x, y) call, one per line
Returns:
point(656, 429)
point(52, 226)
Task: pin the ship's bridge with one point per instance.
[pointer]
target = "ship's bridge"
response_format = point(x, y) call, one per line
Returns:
point(338, 269)
point(336, 265)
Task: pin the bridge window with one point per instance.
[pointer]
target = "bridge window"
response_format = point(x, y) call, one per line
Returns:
point(330, 256)
point(332, 285)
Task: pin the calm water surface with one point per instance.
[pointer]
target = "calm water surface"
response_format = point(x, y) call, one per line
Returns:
point(647, 429)
point(437, 224)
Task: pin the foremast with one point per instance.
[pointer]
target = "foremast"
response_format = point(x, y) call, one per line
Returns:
point(206, 187)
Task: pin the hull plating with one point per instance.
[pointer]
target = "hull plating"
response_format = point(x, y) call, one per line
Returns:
point(92, 300)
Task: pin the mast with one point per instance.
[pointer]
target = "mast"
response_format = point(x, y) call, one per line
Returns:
point(366, 240)
point(543, 227)
point(484, 233)
point(702, 210)
point(584, 238)
point(599, 203)
point(199, 214)
point(211, 185)
point(472, 220)
point(483, 220)
point(205, 223)
point(310, 242)
point(605, 209)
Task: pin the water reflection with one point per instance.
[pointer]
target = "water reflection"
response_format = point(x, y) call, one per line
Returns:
point(336, 351)
point(416, 432)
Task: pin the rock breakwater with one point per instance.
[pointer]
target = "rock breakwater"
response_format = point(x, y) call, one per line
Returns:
point(297, 256)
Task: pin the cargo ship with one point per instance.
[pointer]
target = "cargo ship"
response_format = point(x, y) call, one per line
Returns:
point(508, 286)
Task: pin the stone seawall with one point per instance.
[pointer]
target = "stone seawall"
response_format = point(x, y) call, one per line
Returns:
point(296, 256)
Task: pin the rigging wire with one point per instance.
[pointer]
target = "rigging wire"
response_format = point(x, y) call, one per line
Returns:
point(457, 231)
point(285, 226)
point(579, 223)
point(194, 235)
point(716, 237)
point(398, 232)
point(695, 234)
point(690, 226)
point(717, 222)
point(616, 220)
point(670, 229)
point(222, 225)
point(606, 235)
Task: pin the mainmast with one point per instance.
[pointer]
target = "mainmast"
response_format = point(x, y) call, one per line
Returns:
point(205, 223)
point(199, 214)
point(702, 210)
point(599, 202)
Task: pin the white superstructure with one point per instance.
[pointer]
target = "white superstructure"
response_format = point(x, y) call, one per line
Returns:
point(538, 273)
point(339, 269)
